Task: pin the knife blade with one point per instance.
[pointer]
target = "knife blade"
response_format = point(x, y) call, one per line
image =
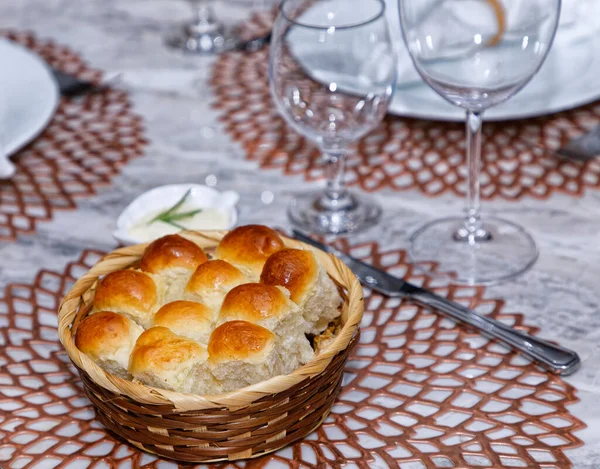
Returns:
point(557, 359)
point(583, 148)
point(71, 87)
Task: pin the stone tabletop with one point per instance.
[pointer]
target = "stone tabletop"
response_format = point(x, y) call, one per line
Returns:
point(187, 144)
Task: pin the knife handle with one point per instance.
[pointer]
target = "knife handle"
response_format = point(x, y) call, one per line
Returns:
point(554, 358)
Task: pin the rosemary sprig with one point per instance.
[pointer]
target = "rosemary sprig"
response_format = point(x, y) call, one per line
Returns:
point(171, 216)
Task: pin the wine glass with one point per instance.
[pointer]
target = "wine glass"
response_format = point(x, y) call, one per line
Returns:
point(204, 33)
point(476, 54)
point(332, 72)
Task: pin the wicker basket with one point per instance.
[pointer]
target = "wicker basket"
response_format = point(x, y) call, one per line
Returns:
point(247, 423)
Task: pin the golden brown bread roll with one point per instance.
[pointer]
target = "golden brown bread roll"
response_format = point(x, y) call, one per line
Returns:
point(242, 353)
point(248, 247)
point(212, 280)
point(127, 292)
point(308, 283)
point(166, 360)
point(171, 252)
point(108, 338)
point(270, 307)
point(171, 260)
point(186, 318)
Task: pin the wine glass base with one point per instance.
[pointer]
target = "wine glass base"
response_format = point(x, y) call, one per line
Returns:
point(206, 39)
point(306, 212)
point(508, 252)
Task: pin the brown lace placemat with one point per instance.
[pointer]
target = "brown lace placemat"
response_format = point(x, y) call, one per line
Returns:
point(419, 391)
point(405, 153)
point(85, 145)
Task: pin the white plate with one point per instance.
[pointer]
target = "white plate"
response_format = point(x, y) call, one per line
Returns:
point(164, 197)
point(29, 97)
point(567, 79)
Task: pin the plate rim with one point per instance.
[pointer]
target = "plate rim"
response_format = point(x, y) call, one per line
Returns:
point(588, 95)
point(22, 139)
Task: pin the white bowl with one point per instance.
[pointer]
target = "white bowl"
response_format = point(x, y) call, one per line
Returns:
point(164, 197)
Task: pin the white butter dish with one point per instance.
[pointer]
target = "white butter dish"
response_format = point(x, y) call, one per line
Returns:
point(217, 212)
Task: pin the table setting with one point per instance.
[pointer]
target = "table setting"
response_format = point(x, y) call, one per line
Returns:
point(242, 233)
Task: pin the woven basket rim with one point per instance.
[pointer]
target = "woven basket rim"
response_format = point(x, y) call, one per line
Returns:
point(126, 256)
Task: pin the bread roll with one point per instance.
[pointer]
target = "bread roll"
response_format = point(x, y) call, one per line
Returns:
point(166, 360)
point(108, 338)
point(270, 307)
point(186, 318)
point(128, 292)
point(308, 283)
point(171, 260)
point(241, 354)
point(211, 281)
point(248, 247)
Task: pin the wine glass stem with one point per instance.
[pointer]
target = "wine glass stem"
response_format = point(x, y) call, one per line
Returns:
point(203, 13)
point(472, 230)
point(336, 197)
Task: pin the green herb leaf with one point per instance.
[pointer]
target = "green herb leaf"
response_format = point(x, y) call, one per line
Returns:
point(176, 225)
point(170, 215)
point(167, 212)
point(180, 202)
point(181, 216)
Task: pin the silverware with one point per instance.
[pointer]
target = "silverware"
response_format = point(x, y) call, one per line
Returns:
point(583, 148)
point(71, 86)
point(554, 358)
point(255, 44)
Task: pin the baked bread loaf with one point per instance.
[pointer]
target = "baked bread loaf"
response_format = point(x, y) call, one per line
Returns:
point(211, 281)
point(241, 353)
point(309, 285)
point(108, 339)
point(130, 293)
point(163, 359)
point(270, 307)
point(186, 318)
point(171, 260)
point(248, 247)
point(187, 323)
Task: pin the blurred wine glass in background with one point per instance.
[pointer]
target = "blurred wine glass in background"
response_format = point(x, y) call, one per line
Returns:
point(206, 34)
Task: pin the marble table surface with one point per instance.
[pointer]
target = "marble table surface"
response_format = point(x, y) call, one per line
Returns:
point(171, 92)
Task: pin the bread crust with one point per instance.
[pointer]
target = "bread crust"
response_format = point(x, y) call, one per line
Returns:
point(159, 349)
point(238, 340)
point(171, 251)
point(186, 318)
point(254, 302)
point(102, 334)
point(249, 247)
point(295, 269)
point(125, 289)
point(213, 275)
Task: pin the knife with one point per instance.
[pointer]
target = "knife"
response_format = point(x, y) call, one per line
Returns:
point(71, 87)
point(583, 148)
point(554, 358)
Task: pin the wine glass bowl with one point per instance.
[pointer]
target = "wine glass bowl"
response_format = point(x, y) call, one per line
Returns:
point(489, 50)
point(477, 54)
point(332, 73)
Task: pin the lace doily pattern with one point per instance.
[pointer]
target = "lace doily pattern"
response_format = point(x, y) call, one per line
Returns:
point(89, 139)
point(408, 154)
point(419, 391)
